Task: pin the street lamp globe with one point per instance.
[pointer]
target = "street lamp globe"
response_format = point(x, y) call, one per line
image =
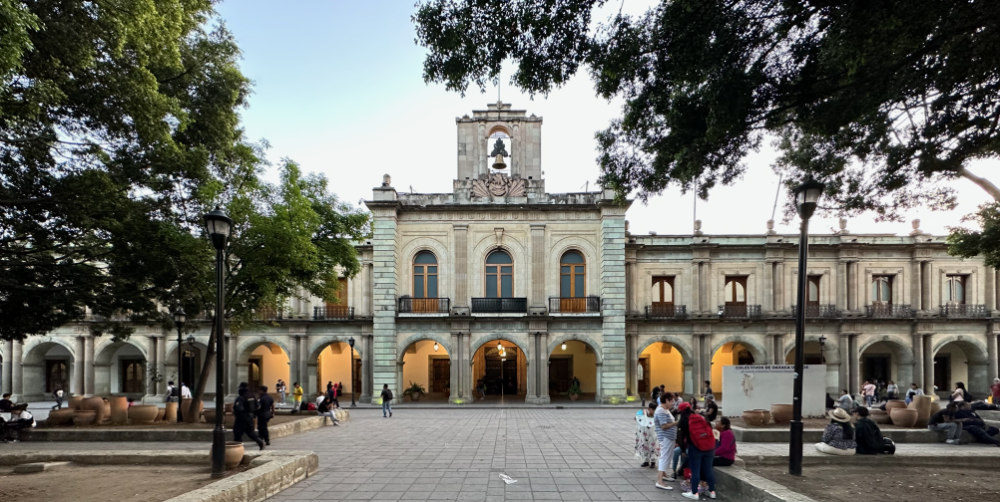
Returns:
point(219, 225)
point(806, 196)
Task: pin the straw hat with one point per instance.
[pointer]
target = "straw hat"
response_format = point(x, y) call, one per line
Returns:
point(839, 415)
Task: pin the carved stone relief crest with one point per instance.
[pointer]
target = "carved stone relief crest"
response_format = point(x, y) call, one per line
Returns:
point(498, 185)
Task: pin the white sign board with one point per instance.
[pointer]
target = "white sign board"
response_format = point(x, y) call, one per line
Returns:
point(754, 387)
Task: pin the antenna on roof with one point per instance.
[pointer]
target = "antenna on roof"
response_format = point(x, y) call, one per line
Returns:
point(777, 192)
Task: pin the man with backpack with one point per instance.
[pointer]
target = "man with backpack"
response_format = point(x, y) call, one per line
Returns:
point(386, 399)
point(701, 453)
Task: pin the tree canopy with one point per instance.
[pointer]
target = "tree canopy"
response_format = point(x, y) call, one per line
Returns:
point(119, 130)
point(880, 100)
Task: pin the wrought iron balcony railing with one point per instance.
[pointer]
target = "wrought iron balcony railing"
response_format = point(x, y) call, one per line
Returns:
point(409, 305)
point(583, 304)
point(499, 305)
point(739, 311)
point(333, 312)
point(962, 310)
point(888, 311)
point(818, 311)
point(663, 310)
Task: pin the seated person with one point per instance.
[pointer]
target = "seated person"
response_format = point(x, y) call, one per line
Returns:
point(20, 418)
point(6, 404)
point(711, 411)
point(725, 448)
point(838, 437)
point(972, 423)
point(868, 437)
point(944, 420)
point(846, 402)
point(914, 391)
point(325, 410)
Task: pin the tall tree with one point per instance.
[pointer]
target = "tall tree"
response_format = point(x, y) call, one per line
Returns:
point(881, 100)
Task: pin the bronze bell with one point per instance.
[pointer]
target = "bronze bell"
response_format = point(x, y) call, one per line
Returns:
point(498, 163)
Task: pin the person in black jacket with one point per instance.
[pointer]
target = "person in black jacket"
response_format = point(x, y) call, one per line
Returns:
point(265, 412)
point(867, 435)
point(243, 415)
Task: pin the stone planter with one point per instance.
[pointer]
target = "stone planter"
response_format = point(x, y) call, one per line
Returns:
point(781, 413)
point(234, 454)
point(84, 417)
point(119, 410)
point(903, 417)
point(60, 417)
point(171, 413)
point(756, 418)
point(143, 414)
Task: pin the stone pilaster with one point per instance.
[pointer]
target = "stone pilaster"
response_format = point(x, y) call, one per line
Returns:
point(612, 373)
point(461, 267)
point(8, 366)
point(88, 365)
point(384, 262)
point(538, 261)
point(17, 373)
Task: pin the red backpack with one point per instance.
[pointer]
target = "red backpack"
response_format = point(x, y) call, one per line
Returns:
point(700, 432)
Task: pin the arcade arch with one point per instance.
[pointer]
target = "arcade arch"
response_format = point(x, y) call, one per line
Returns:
point(427, 363)
point(126, 369)
point(333, 364)
point(960, 361)
point(661, 363)
point(499, 371)
point(263, 363)
point(730, 353)
point(50, 364)
point(573, 359)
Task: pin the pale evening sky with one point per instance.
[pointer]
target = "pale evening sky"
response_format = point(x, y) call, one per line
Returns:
point(338, 87)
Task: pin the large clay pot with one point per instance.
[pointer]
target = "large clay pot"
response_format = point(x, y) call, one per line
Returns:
point(160, 413)
point(119, 410)
point(228, 420)
point(880, 417)
point(781, 413)
point(84, 417)
point(209, 416)
point(75, 402)
point(923, 406)
point(95, 404)
point(756, 417)
point(142, 414)
point(894, 403)
point(171, 413)
point(107, 412)
point(234, 454)
point(60, 417)
point(903, 417)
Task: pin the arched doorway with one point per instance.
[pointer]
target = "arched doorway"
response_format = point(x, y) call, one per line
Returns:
point(50, 365)
point(812, 352)
point(729, 354)
point(960, 361)
point(661, 363)
point(333, 364)
point(192, 358)
point(126, 370)
point(883, 362)
point(427, 364)
point(572, 359)
point(263, 364)
point(499, 371)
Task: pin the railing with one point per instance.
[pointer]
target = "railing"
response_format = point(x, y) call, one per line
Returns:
point(814, 311)
point(888, 311)
point(961, 310)
point(409, 305)
point(574, 305)
point(500, 305)
point(659, 310)
point(333, 312)
point(739, 311)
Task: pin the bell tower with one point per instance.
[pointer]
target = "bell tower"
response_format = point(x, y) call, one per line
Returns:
point(499, 140)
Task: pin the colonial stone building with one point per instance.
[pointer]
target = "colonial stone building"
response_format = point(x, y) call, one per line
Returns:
point(499, 289)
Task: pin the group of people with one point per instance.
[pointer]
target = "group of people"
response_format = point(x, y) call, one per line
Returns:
point(14, 417)
point(677, 438)
point(249, 406)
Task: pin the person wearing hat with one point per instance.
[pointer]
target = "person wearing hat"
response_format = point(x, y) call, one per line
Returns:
point(838, 437)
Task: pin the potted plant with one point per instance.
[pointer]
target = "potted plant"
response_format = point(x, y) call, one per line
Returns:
point(415, 391)
point(574, 390)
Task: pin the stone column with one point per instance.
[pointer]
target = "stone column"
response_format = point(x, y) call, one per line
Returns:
point(928, 382)
point(917, 345)
point(78, 387)
point(612, 287)
point(695, 287)
point(161, 365)
point(384, 223)
point(925, 286)
point(854, 361)
point(367, 381)
point(989, 290)
point(779, 289)
point(696, 353)
point(845, 364)
point(852, 286)
point(769, 286)
point(8, 367)
point(991, 355)
point(631, 361)
point(232, 375)
point(630, 284)
point(88, 365)
point(457, 373)
point(17, 375)
point(534, 367)
point(467, 361)
point(538, 253)
point(461, 266)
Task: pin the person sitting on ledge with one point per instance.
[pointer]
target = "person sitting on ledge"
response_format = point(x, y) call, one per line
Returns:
point(868, 436)
point(974, 425)
point(846, 402)
point(838, 437)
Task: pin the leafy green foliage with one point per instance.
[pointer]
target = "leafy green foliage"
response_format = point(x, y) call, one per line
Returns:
point(880, 100)
point(986, 242)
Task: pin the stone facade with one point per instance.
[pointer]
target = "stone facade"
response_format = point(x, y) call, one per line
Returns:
point(501, 290)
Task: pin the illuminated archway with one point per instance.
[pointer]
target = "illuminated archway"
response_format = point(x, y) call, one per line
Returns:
point(568, 360)
point(499, 371)
point(263, 363)
point(732, 353)
point(662, 363)
point(426, 363)
point(333, 366)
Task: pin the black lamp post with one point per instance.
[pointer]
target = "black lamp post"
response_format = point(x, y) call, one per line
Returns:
point(179, 318)
point(218, 226)
point(350, 341)
point(806, 196)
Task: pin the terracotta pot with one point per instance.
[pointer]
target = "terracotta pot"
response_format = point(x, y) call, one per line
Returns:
point(209, 416)
point(756, 418)
point(572, 397)
point(903, 417)
point(95, 404)
point(160, 413)
point(84, 417)
point(143, 414)
point(894, 403)
point(171, 413)
point(880, 417)
point(107, 411)
point(75, 402)
point(60, 417)
point(782, 413)
point(119, 410)
point(923, 406)
point(234, 454)
point(228, 420)
point(228, 407)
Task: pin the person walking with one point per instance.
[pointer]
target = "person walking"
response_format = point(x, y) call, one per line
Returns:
point(666, 435)
point(869, 392)
point(338, 389)
point(265, 412)
point(172, 391)
point(329, 391)
point(297, 397)
point(243, 414)
point(891, 391)
point(386, 400)
point(58, 396)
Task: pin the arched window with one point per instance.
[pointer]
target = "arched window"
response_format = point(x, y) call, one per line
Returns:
point(425, 282)
point(499, 275)
point(571, 275)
